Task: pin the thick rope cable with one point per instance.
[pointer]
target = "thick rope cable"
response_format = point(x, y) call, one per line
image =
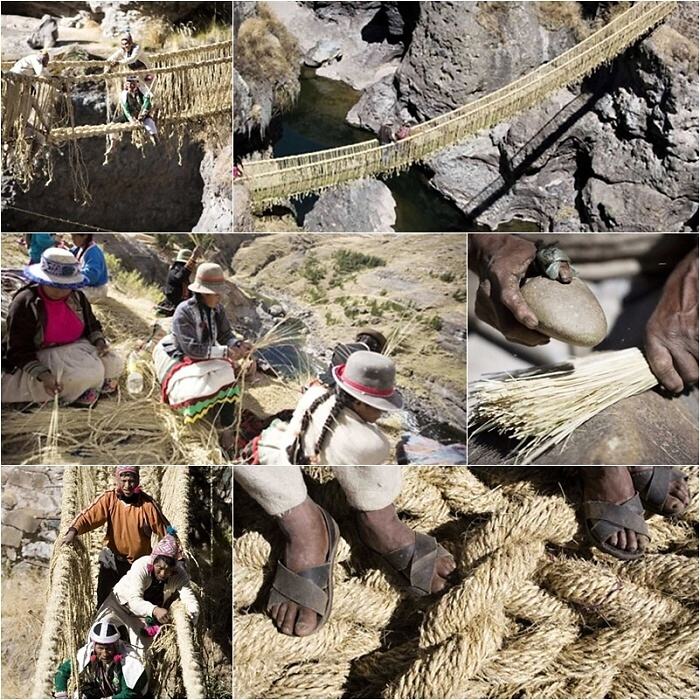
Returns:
point(273, 180)
point(537, 612)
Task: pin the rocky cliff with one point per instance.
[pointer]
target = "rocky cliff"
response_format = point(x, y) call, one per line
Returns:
point(617, 152)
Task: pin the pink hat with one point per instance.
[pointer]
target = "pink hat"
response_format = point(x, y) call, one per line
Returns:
point(169, 546)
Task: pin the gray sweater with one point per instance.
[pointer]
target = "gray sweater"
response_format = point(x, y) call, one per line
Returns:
point(199, 332)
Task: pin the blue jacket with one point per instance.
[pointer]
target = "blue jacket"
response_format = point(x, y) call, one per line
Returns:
point(93, 264)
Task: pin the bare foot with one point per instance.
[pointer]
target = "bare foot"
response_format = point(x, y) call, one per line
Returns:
point(384, 532)
point(678, 495)
point(613, 484)
point(307, 546)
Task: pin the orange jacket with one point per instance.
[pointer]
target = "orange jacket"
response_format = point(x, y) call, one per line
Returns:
point(129, 525)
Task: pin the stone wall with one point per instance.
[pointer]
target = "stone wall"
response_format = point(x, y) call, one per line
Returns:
point(31, 511)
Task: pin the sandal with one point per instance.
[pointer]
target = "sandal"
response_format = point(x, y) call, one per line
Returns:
point(415, 563)
point(603, 518)
point(654, 485)
point(87, 399)
point(311, 588)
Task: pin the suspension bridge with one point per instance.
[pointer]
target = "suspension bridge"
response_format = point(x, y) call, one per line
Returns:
point(273, 180)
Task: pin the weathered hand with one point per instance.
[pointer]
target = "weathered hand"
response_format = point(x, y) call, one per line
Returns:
point(501, 261)
point(162, 615)
point(69, 536)
point(102, 347)
point(671, 334)
point(51, 384)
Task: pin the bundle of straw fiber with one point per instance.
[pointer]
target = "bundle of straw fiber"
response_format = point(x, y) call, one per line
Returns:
point(542, 407)
point(536, 614)
point(73, 575)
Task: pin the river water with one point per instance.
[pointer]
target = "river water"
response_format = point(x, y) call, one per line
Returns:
point(318, 122)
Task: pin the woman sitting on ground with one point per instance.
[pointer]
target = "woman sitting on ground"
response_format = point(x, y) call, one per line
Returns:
point(55, 343)
point(107, 667)
point(141, 600)
point(131, 515)
point(93, 266)
point(335, 426)
point(197, 364)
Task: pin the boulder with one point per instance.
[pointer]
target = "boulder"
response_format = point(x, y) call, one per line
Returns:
point(37, 550)
point(362, 206)
point(323, 51)
point(11, 536)
point(45, 35)
point(24, 520)
point(567, 312)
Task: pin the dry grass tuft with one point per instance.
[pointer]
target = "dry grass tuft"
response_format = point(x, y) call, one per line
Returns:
point(23, 604)
point(563, 15)
point(267, 53)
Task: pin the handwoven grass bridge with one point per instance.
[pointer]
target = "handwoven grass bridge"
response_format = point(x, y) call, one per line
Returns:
point(191, 87)
point(271, 181)
point(172, 660)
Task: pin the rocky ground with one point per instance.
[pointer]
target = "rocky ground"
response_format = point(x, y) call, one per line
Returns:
point(618, 151)
point(172, 187)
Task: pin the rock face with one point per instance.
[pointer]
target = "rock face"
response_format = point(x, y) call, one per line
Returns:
point(217, 197)
point(619, 152)
point(567, 312)
point(31, 511)
point(347, 208)
point(242, 216)
point(365, 37)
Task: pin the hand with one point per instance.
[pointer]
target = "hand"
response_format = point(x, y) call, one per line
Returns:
point(502, 261)
point(671, 334)
point(102, 347)
point(162, 615)
point(69, 536)
point(252, 368)
point(239, 351)
point(196, 252)
point(51, 385)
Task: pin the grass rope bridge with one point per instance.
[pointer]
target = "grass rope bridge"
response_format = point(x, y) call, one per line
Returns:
point(173, 658)
point(271, 181)
point(191, 88)
point(536, 614)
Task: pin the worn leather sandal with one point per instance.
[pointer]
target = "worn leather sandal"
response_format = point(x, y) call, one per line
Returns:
point(602, 519)
point(415, 563)
point(311, 588)
point(654, 485)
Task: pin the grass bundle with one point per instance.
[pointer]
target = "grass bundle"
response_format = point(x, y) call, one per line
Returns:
point(542, 407)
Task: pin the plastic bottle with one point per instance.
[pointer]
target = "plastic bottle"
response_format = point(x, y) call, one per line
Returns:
point(134, 379)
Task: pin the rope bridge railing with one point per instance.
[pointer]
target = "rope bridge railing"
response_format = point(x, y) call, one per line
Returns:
point(187, 85)
point(73, 573)
point(273, 180)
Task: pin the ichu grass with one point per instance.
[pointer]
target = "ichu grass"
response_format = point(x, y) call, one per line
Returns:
point(542, 407)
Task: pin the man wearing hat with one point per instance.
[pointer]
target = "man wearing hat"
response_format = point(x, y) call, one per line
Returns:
point(131, 516)
point(55, 344)
point(197, 364)
point(177, 283)
point(107, 667)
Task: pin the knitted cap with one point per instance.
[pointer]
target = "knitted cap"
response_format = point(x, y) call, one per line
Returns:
point(126, 470)
point(169, 546)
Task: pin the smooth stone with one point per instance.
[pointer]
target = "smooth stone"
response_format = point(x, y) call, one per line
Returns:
point(568, 312)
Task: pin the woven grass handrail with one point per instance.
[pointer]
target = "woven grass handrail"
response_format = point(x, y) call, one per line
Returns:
point(154, 58)
point(273, 180)
point(73, 572)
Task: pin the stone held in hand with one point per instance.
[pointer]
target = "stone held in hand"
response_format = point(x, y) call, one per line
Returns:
point(568, 312)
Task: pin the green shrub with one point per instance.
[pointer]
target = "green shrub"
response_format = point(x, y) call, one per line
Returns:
point(312, 269)
point(347, 261)
point(435, 323)
point(460, 295)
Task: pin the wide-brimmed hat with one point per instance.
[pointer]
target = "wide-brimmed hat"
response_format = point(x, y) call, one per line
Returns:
point(372, 333)
point(58, 268)
point(369, 377)
point(183, 255)
point(209, 279)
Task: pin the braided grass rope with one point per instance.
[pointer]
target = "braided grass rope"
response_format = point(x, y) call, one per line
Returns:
point(537, 614)
point(73, 573)
point(270, 181)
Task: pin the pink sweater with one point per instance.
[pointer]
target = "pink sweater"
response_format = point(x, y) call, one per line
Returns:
point(62, 324)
